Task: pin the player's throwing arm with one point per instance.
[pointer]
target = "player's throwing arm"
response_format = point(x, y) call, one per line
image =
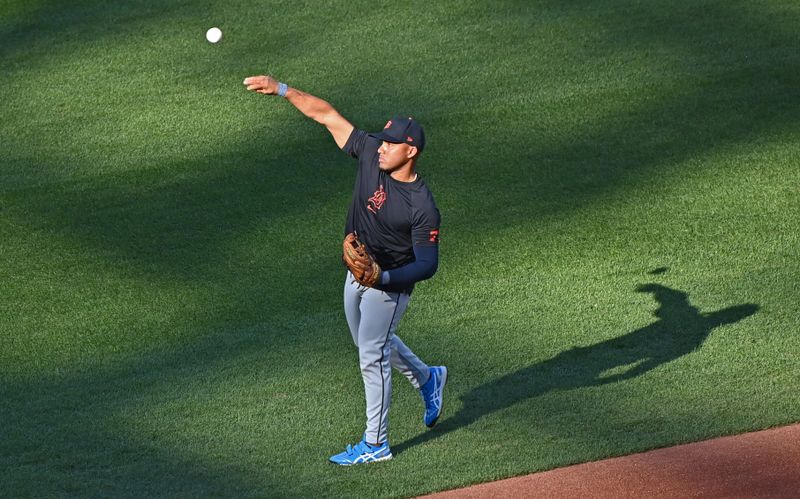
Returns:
point(313, 107)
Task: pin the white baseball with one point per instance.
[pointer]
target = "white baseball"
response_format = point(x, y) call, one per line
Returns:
point(214, 35)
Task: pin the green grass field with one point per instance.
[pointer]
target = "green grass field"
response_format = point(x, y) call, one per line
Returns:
point(620, 195)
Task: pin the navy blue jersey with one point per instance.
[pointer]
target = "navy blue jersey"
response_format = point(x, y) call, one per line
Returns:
point(389, 216)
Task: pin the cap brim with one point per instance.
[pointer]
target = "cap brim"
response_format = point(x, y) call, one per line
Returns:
point(387, 138)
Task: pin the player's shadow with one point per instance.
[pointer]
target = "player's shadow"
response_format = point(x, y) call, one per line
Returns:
point(680, 329)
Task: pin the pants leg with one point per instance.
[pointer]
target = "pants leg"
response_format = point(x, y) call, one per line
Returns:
point(373, 316)
point(409, 365)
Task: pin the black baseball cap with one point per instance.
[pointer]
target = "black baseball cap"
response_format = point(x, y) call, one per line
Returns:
point(400, 130)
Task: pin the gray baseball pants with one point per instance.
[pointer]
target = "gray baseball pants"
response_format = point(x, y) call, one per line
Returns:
point(372, 316)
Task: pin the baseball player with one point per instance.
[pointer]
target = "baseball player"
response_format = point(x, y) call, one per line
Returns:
point(391, 242)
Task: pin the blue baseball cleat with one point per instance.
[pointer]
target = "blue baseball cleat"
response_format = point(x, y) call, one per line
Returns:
point(362, 453)
point(432, 392)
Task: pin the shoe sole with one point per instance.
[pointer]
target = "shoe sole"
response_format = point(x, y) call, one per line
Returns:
point(384, 458)
point(441, 406)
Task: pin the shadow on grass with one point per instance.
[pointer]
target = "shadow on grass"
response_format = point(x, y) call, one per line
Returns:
point(105, 431)
point(680, 329)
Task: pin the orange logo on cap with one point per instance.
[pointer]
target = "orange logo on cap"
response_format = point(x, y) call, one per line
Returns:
point(409, 139)
point(388, 124)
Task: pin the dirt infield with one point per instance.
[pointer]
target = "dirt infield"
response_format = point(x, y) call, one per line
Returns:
point(760, 464)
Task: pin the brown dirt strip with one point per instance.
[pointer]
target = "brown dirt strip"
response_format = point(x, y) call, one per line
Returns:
point(759, 464)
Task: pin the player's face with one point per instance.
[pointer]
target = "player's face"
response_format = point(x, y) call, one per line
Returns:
point(392, 156)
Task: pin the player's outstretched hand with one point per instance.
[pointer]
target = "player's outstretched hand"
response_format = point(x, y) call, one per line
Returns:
point(262, 84)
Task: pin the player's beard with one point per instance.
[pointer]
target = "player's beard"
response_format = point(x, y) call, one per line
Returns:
point(388, 168)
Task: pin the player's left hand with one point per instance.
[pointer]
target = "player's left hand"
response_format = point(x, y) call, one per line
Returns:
point(262, 84)
point(363, 267)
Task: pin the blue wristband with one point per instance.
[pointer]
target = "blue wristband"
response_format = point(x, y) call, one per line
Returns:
point(282, 88)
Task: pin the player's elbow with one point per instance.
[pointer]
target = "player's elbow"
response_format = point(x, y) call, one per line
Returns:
point(427, 261)
point(430, 269)
point(327, 115)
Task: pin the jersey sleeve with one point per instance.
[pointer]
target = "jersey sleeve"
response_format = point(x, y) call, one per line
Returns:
point(356, 143)
point(425, 224)
point(425, 264)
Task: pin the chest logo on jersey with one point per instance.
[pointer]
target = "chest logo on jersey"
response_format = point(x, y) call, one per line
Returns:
point(375, 203)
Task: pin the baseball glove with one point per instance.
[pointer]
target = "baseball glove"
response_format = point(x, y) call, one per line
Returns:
point(363, 267)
